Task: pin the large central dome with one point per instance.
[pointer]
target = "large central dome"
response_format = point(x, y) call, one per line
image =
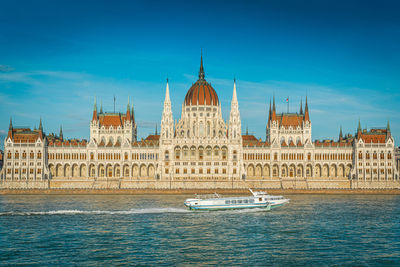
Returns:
point(201, 92)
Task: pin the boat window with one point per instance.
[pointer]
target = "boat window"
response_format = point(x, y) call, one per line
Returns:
point(251, 200)
point(246, 201)
point(260, 199)
point(227, 202)
point(239, 201)
point(233, 201)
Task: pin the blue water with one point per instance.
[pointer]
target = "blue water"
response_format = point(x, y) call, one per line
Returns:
point(158, 230)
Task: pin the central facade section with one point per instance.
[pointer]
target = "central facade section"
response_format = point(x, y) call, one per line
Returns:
point(199, 144)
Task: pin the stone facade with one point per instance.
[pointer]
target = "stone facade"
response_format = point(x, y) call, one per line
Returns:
point(200, 151)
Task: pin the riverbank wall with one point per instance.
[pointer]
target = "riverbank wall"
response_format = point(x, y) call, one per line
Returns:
point(129, 186)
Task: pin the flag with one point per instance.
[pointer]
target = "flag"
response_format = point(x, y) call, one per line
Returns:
point(287, 100)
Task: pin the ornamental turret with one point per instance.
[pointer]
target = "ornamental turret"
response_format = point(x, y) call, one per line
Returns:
point(235, 124)
point(167, 122)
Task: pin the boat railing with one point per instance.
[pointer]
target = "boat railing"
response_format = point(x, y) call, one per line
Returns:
point(208, 196)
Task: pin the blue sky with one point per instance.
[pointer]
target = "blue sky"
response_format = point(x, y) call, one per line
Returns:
point(55, 56)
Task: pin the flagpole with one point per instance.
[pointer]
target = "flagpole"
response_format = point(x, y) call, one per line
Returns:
point(287, 104)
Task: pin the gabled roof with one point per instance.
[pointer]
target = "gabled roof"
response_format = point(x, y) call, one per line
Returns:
point(25, 135)
point(112, 119)
point(375, 135)
point(290, 119)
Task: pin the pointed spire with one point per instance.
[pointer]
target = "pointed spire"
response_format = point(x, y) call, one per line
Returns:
point(270, 112)
point(359, 131)
point(306, 114)
point(340, 134)
point(10, 130)
point(167, 99)
point(94, 117)
point(247, 130)
point(156, 130)
point(234, 95)
point(273, 116)
point(273, 105)
point(40, 124)
point(201, 72)
point(388, 133)
point(61, 133)
point(128, 112)
point(101, 107)
point(301, 107)
point(133, 113)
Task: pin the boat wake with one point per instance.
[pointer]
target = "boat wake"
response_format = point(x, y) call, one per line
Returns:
point(95, 212)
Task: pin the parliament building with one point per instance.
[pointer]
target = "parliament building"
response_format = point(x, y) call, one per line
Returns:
point(199, 151)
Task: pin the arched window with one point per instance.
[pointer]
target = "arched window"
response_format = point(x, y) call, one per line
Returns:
point(201, 130)
point(166, 155)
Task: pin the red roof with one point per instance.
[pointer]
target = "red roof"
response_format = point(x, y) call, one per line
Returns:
point(201, 93)
point(374, 138)
point(287, 120)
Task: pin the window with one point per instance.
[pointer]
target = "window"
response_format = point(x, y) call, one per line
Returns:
point(233, 201)
point(239, 201)
point(227, 202)
point(251, 200)
point(245, 201)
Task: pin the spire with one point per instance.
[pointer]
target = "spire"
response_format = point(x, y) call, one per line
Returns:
point(273, 105)
point(11, 126)
point(167, 122)
point(156, 130)
point(269, 114)
point(101, 107)
point(273, 116)
point(10, 130)
point(201, 72)
point(306, 115)
point(61, 133)
point(167, 100)
point(359, 131)
point(340, 134)
point(128, 113)
point(40, 125)
point(133, 114)
point(234, 96)
point(301, 107)
point(388, 133)
point(94, 117)
point(247, 130)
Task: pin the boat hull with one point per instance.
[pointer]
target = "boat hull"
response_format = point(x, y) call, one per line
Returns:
point(226, 207)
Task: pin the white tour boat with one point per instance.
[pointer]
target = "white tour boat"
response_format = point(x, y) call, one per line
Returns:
point(216, 202)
